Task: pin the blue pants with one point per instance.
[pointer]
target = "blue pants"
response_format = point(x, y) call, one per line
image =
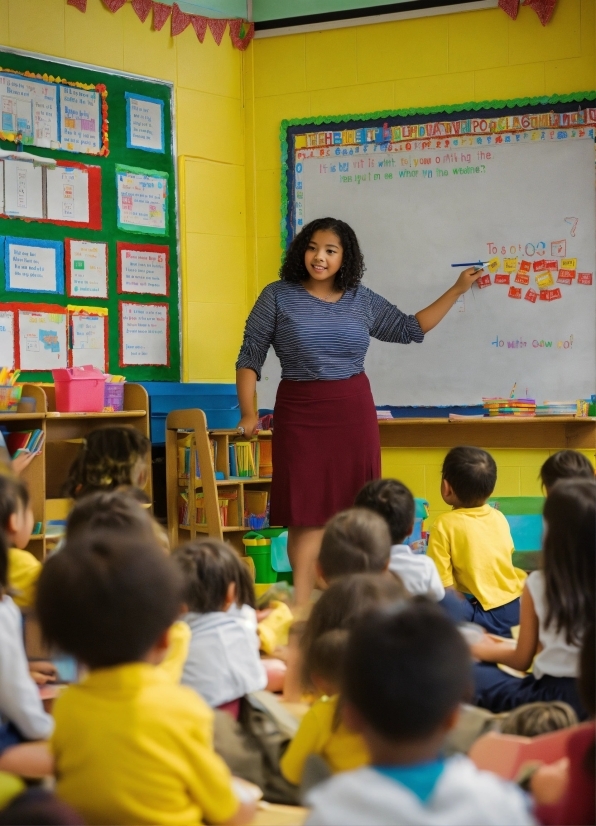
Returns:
point(498, 691)
point(9, 736)
point(497, 621)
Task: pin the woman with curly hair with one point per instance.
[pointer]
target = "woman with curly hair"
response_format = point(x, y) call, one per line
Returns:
point(319, 319)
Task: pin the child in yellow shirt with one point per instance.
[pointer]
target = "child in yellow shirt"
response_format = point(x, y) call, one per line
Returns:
point(471, 545)
point(129, 745)
point(16, 519)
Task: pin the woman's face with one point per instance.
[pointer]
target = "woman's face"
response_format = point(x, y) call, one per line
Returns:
point(323, 255)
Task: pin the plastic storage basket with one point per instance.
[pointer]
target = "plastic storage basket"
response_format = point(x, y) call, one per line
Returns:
point(10, 395)
point(79, 389)
point(258, 546)
point(113, 395)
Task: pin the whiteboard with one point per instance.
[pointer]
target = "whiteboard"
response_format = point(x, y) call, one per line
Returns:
point(527, 200)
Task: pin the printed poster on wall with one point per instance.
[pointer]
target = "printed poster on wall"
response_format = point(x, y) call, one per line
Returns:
point(80, 120)
point(23, 189)
point(142, 200)
point(67, 194)
point(143, 268)
point(7, 352)
point(144, 123)
point(86, 268)
point(144, 334)
point(32, 265)
point(30, 107)
point(88, 337)
point(42, 338)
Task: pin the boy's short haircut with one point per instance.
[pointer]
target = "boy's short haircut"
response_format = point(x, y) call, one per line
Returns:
point(106, 598)
point(109, 510)
point(327, 654)
point(355, 541)
point(208, 568)
point(406, 670)
point(472, 473)
point(13, 495)
point(394, 502)
point(533, 719)
point(565, 464)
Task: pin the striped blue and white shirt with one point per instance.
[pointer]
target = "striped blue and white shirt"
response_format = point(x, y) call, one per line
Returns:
point(320, 340)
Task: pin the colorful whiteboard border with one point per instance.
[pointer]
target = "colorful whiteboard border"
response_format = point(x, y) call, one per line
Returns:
point(124, 245)
point(147, 173)
point(120, 337)
point(58, 246)
point(129, 145)
point(71, 311)
point(67, 262)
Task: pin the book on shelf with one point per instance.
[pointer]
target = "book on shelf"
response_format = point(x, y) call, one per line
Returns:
point(185, 447)
point(24, 441)
point(244, 459)
point(509, 407)
point(224, 500)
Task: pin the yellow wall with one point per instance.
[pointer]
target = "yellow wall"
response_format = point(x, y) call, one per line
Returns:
point(210, 132)
point(428, 61)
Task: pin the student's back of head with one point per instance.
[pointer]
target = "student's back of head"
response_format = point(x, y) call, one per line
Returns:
point(355, 541)
point(106, 598)
point(569, 557)
point(394, 502)
point(213, 576)
point(471, 473)
point(407, 669)
point(565, 464)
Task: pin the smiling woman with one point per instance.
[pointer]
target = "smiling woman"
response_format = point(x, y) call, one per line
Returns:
point(319, 319)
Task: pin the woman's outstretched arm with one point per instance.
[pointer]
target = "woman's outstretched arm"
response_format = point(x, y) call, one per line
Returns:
point(430, 316)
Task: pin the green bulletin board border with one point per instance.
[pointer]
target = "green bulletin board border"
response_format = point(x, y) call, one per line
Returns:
point(117, 83)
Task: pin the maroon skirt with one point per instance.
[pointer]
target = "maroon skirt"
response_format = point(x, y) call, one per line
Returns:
point(325, 448)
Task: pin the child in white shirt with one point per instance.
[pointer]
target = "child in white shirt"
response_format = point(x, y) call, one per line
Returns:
point(407, 670)
point(223, 662)
point(394, 502)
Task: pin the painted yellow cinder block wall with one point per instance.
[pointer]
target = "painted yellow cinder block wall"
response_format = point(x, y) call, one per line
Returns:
point(427, 61)
point(208, 88)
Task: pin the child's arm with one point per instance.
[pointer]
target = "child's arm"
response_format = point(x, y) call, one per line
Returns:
point(439, 550)
point(307, 740)
point(520, 657)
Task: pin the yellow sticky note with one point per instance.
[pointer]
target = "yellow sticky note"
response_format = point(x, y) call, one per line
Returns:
point(544, 279)
point(494, 264)
point(510, 264)
point(568, 264)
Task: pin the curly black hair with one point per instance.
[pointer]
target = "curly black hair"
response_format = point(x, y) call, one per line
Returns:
point(352, 267)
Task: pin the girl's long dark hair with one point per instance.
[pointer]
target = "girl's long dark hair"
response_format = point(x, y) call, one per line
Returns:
point(569, 553)
point(352, 267)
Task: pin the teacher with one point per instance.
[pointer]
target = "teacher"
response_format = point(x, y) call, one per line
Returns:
point(319, 319)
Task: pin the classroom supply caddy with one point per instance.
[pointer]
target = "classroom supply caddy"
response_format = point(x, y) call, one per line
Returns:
point(79, 389)
point(219, 403)
point(268, 549)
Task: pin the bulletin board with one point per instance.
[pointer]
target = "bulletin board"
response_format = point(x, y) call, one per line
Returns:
point(508, 182)
point(105, 217)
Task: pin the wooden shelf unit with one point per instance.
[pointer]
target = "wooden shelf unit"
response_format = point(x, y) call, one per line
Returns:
point(195, 422)
point(47, 473)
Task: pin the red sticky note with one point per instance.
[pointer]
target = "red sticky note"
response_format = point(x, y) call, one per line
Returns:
point(484, 281)
point(567, 273)
point(522, 278)
point(564, 280)
point(554, 294)
point(551, 265)
point(543, 295)
point(531, 295)
point(514, 292)
point(502, 278)
point(524, 266)
point(584, 278)
point(540, 265)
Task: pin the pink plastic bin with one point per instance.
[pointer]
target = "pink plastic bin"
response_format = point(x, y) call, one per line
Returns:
point(79, 389)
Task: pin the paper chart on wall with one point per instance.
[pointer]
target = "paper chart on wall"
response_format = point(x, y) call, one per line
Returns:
point(23, 189)
point(7, 354)
point(80, 120)
point(30, 107)
point(42, 340)
point(144, 334)
point(142, 200)
point(87, 268)
point(143, 270)
point(67, 194)
point(32, 265)
point(88, 339)
point(144, 123)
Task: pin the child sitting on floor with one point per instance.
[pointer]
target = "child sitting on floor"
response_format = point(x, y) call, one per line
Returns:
point(407, 670)
point(223, 661)
point(395, 503)
point(110, 458)
point(129, 745)
point(355, 541)
point(16, 520)
point(565, 464)
point(472, 545)
point(558, 604)
point(322, 650)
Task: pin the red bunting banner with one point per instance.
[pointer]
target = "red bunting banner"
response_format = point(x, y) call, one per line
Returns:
point(241, 33)
point(180, 20)
point(114, 5)
point(81, 5)
point(510, 7)
point(543, 8)
point(161, 12)
point(142, 8)
point(217, 27)
point(199, 24)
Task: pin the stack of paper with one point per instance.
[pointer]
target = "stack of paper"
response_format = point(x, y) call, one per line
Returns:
point(510, 407)
point(384, 414)
point(557, 409)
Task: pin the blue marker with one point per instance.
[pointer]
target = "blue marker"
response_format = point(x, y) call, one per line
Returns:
point(472, 264)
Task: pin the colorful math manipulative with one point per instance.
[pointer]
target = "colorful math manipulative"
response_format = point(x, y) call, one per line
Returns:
point(502, 278)
point(515, 292)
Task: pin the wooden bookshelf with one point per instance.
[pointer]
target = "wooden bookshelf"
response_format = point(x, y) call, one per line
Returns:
point(64, 432)
point(194, 423)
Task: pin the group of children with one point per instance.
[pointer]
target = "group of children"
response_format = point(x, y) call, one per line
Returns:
point(167, 638)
